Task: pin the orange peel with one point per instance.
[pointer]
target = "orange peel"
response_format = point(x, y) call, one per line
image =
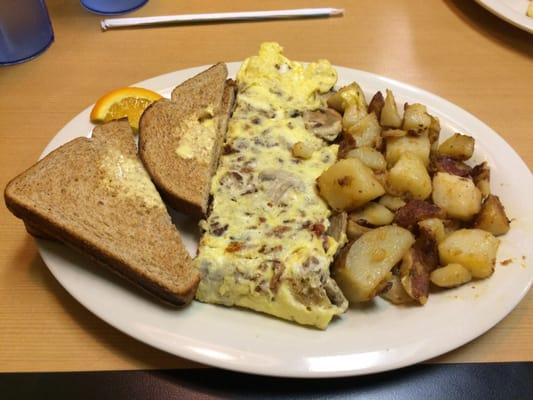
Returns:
point(127, 102)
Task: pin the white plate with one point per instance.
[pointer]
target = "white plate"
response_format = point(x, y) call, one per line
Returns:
point(512, 11)
point(367, 339)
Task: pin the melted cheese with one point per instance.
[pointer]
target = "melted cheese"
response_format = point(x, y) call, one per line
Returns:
point(127, 177)
point(265, 245)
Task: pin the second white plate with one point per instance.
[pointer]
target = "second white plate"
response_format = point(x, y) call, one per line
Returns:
point(512, 11)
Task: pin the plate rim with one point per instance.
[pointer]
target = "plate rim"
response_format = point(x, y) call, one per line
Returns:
point(438, 103)
point(507, 14)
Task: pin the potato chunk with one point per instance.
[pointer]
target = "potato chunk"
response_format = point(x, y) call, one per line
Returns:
point(481, 176)
point(393, 203)
point(414, 275)
point(348, 184)
point(451, 275)
point(434, 133)
point(366, 131)
point(369, 156)
point(396, 146)
point(302, 150)
point(351, 94)
point(376, 104)
point(367, 262)
point(389, 112)
point(474, 249)
point(354, 230)
point(373, 214)
point(416, 119)
point(396, 294)
point(409, 177)
point(459, 147)
point(435, 226)
point(459, 197)
point(492, 217)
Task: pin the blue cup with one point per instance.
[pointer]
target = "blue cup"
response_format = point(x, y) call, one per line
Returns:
point(112, 7)
point(25, 30)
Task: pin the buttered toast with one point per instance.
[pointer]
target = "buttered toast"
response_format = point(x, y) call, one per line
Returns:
point(180, 140)
point(95, 196)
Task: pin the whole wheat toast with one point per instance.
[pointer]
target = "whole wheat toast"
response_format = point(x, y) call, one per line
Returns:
point(180, 140)
point(95, 196)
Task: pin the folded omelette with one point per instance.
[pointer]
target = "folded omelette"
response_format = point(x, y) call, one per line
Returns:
point(265, 244)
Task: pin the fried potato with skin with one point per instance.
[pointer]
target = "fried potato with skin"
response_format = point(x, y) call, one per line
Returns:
point(416, 120)
point(395, 293)
point(369, 156)
point(481, 176)
point(492, 217)
point(397, 146)
point(387, 133)
point(459, 147)
point(435, 226)
point(459, 197)
point(373, 214)
point(414, 276)
point(451, 226)
point(367, 262)
point(348, 184)
point(474, 249)
point(351, 94)
point(409, 177)
point(390, 117)
point(434, 134)
point(376, 104)
point(366, 131)
point(451, 275)
point(354, 230)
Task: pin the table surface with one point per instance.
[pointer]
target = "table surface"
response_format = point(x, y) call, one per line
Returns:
point(452, 48)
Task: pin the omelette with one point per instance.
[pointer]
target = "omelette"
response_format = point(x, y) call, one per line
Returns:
point(265, 244)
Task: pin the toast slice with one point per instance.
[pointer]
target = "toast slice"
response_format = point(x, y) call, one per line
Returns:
point(95, 196)
point(180, 140)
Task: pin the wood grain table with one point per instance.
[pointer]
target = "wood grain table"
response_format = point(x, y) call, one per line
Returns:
point(453, 48)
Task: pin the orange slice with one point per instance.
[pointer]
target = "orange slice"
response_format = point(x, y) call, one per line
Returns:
point(124, 102)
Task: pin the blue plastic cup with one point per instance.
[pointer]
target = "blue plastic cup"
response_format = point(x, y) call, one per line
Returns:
point(25, 30)
point(111, 7)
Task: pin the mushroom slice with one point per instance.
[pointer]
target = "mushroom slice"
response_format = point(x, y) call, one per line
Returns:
point(334, 293)
point(326, 123)
point(337, 226)
point(281, 181)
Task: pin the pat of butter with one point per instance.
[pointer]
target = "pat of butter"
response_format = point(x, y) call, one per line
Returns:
point(185, 151)
point(198, 138)
point(128, 178)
